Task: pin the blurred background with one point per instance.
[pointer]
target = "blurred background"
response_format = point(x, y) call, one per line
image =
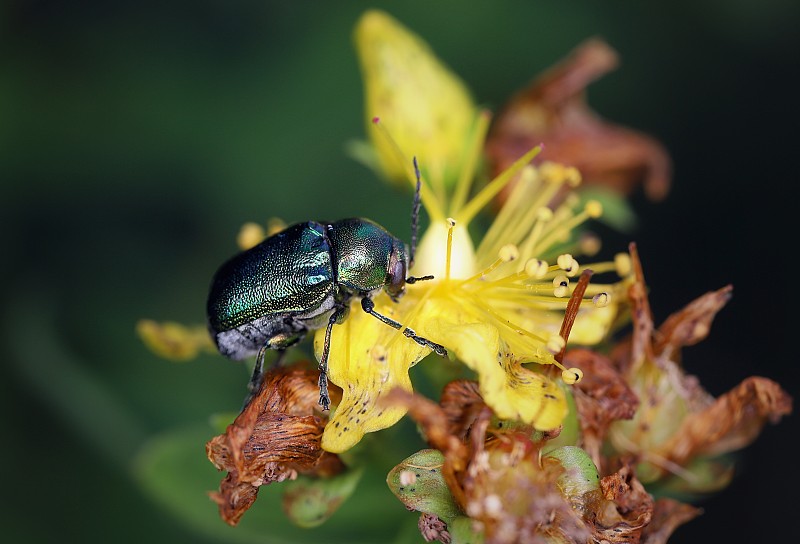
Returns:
point(136, 137)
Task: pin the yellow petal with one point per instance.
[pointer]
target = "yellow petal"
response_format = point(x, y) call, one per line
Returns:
point(425, 107)
point(511, 390)
point(367, 360)
point(592, 325)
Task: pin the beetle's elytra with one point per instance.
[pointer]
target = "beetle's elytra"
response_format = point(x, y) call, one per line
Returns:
point(303, 278)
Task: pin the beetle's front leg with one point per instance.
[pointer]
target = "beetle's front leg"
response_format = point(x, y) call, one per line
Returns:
point(369, 306)
point(337, 316)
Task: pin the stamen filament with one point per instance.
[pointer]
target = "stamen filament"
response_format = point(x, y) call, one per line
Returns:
point(473, 153)
point(451, 225)
point(561, 228)
point(485, 272)
point(491, 190)
point(505, 322)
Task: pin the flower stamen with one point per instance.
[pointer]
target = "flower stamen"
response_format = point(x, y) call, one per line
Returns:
point(451, 223)
point(491, 190)
point(474, 148)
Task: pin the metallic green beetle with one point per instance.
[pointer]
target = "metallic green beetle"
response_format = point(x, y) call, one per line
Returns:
point(303, 278)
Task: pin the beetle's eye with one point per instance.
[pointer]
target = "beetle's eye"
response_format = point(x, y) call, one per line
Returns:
point(395, 277)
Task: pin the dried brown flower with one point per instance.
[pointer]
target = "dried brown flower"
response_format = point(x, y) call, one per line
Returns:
point(678, 422)
point(500, 478)
point(275, 438)
point(553, 111)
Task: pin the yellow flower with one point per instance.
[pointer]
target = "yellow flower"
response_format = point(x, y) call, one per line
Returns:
point(495, 306)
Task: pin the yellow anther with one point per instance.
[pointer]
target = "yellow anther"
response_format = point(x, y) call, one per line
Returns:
point(572, 176)
point(589, 244)
point(622, 262)
point(594, 209)
point(561, 286)
point(508, 253)
point(251, 234)
point(555, 343)
point(572, 375)
point(536, 268)
point(561, 292)
point(544, 214)
point(601, 300)
point(551, 171)
point(568, 264)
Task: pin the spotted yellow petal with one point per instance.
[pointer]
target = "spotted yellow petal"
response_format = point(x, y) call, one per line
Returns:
point(510, 389)
point(367, 360)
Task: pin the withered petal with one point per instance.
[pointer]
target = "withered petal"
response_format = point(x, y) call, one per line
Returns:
point(630, 511)
point(461, 402)
point(732, 422)
point(691, 324)
point(434, 423)
point(668, 515)
point(601, 397)
point(234, 498)
point(553, 110)
point(273, 439)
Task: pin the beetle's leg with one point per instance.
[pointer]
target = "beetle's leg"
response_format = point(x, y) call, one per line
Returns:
point(258, 373)
point(369, 306)
point(336, 317)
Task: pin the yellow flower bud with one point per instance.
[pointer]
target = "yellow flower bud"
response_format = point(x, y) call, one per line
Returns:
point(423, 105)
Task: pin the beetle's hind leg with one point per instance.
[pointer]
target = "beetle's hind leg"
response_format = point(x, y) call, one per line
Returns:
point(369, 306)
point(257, 377)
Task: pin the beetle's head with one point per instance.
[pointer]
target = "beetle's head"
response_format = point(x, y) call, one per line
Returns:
point(396, 270)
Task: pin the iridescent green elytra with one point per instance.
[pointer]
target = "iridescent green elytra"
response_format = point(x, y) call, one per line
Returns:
point(303, 278)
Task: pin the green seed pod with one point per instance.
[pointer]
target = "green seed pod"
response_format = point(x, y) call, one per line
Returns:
point(580, 474)
point(462, 531)
point(419, 484)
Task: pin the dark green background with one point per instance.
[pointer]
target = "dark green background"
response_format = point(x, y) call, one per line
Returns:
point(135, 138)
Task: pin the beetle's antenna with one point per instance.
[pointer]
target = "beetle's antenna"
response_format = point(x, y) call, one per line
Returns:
point(415, 216)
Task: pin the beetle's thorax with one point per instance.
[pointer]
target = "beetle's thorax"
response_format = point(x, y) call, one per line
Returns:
point(366, 258)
